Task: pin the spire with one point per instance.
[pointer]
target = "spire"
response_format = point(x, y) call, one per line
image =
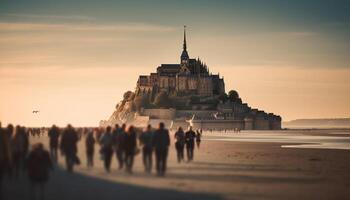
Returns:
point(184, 45)
point(184, 54)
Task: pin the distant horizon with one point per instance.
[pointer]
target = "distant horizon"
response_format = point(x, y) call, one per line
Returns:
point(331, 118)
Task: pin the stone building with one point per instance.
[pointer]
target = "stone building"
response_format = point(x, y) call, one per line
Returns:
point(198, 99)
point(189, 77)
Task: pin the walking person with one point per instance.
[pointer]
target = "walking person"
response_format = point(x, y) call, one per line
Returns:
point(54, 134)
point(69, 148)
point(99, 132)
point(106, 142)
point(161, 142)
point(90, 147)
point(39, 165)
point(20, 146)
point(130, 147)
point(146, 140)
point(198, 137)
point(180, 144)
point(118, 140)
point(190, 135)
point(118, 137)
point(8, 131)
point(5, 155)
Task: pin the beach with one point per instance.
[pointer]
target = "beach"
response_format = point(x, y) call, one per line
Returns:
point(226, 166)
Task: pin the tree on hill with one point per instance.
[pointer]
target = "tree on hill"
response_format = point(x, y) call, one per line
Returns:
point(233, 96)
point(129, 96)
point(162, 100)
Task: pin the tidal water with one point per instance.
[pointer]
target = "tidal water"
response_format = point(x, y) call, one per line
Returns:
point(318, 139)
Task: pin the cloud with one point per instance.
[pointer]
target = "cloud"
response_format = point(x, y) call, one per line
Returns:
point(30, 39)
point(301, 33)
point(64, 17)
point(133, 27)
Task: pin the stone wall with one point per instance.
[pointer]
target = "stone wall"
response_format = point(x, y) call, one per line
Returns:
point(140, 121)
point(155, 122)
point(217, 124)
point(275, 124)
point(159, 113)
point(182, 83)
point(248, 124)
point(261, 124)
point(189, 113)
point(205, 86)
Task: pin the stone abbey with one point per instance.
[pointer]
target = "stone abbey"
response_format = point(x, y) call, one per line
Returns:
point(190, 77)
point(187, 94)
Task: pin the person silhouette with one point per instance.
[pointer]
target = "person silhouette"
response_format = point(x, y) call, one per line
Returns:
point(118, 137)
point(38, 166)
point(20, 145)
point(190, 135)
point(180, 144)
point(106, 142)
point(130, 147)
point(5, 155)
point(198, 137)
point(161, 142)
point(54, 134)
point(69, 148)
point(8, 134)
point(90, 147)
point(146, 140)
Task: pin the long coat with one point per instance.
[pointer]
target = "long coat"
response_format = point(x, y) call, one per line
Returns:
point(161, 139)
point(69, 141)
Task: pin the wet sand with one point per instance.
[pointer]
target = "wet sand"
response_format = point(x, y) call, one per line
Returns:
point(221, 170)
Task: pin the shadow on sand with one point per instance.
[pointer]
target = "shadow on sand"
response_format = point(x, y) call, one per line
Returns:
point(64, 185)
point(206, 171)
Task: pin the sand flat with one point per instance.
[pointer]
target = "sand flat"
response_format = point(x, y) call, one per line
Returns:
point(221, 170)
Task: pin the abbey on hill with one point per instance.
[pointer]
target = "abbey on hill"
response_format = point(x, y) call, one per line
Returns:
point(187, 94)
point(190, 77)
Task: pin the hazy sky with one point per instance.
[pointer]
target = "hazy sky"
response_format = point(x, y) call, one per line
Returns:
point(72, 60)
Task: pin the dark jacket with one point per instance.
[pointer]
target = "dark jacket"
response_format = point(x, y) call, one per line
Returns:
point(20, 143)
point(190, 136)
point(5, 154)
point(69, 141)
point(90, 143)
point(146, 139)
point(54, 134)
point(180, 137)
point(118, 139)
point(130, 142)
point(39, 165)
point(161, 139)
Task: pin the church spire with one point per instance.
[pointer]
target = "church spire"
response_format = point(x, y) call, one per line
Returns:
point(184, 45)
point(184, 54)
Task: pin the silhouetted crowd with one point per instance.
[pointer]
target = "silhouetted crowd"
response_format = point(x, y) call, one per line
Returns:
point(16, 156)
point(123, 142)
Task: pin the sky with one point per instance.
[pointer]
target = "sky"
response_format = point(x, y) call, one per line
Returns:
point(73, 60)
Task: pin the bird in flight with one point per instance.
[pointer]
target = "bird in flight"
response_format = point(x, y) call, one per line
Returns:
point(35, 111)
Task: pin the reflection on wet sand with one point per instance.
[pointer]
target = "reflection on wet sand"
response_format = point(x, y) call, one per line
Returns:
point(290, 138)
